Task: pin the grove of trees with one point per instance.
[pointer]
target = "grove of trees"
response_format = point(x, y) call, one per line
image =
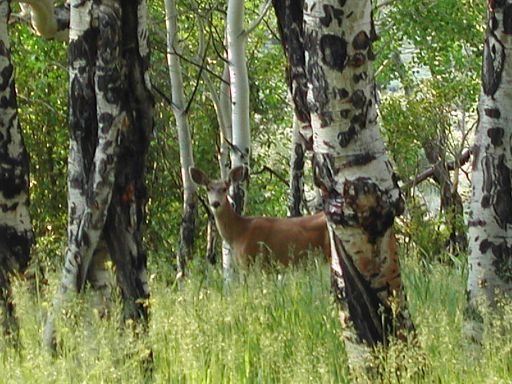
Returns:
point(390, 116)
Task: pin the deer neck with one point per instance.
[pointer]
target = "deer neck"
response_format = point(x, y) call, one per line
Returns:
point(229, 223)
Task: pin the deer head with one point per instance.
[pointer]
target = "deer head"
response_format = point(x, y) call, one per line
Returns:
point(217, 190)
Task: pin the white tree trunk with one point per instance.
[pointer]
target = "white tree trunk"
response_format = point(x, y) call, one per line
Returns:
point(356, 176)
point(184, 140)
point(490, 218)
point(226, 138)
point(222, 105)
point(239, 82)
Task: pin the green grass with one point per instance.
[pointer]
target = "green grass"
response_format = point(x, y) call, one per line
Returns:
point(264, 328)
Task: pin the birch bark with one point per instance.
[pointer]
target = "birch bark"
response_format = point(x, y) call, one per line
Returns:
point(296, 181)
point(239, 86)
point(490, 217)
point(351, 167)
point(188, 222)
point(226, 136)
point(289, 15)
point(110, 124)
point(16, 234)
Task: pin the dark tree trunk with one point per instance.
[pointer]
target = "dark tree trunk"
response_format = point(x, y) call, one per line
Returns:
point(16, 234)
point(126, 214)
point(211, 240)
point(296, 185)
point(111, 120)
point(451, 202)
point(290, 22)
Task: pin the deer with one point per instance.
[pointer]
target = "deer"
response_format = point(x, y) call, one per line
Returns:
point(284, 241)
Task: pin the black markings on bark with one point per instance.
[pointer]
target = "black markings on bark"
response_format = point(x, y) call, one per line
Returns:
point(295, 200)
point(494, 4)
point(476, 157)
point(345, 113)
point(316, 76)
point(507, 19)
point(340, 93)
point(324, 172)
point(493, 23)
point(361, 41)
point(487, 172)
point(82, 47)
point(345, 138)
point(334, 52)
point(494, 113)
point(331, 14)
point(357, 77)
point(360, 159)
point(6, 76)
point(358, 99)
point(496, 135)
point(502, 261)
point(16, 239)
point(492, 67)
point(371, 207)
point(503, 194)
point(290, 25)
point(373, 322)
point(497, 188)
point(14, 249)
point(357, 60)
point(359, 120)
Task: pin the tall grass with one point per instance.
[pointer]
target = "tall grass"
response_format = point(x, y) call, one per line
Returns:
point(263, 328)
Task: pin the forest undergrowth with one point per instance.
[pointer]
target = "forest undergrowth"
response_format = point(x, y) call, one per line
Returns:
point(262, 328)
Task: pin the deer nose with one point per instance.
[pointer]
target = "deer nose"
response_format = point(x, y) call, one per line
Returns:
point(216, 204)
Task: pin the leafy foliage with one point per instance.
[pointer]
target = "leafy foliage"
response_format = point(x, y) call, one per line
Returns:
point(42, 88)
point(429, 74)
point(271, 126)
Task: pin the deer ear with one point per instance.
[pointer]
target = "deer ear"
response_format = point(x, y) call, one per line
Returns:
point(238, 174)
point(198, 176)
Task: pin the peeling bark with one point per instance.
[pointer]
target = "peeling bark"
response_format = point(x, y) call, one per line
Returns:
point(490, 218)
point(16, 236)
point(352, 169)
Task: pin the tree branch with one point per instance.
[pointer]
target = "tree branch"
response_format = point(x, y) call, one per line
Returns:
point(272, 172)
point(263, 11)
point(451, 165)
